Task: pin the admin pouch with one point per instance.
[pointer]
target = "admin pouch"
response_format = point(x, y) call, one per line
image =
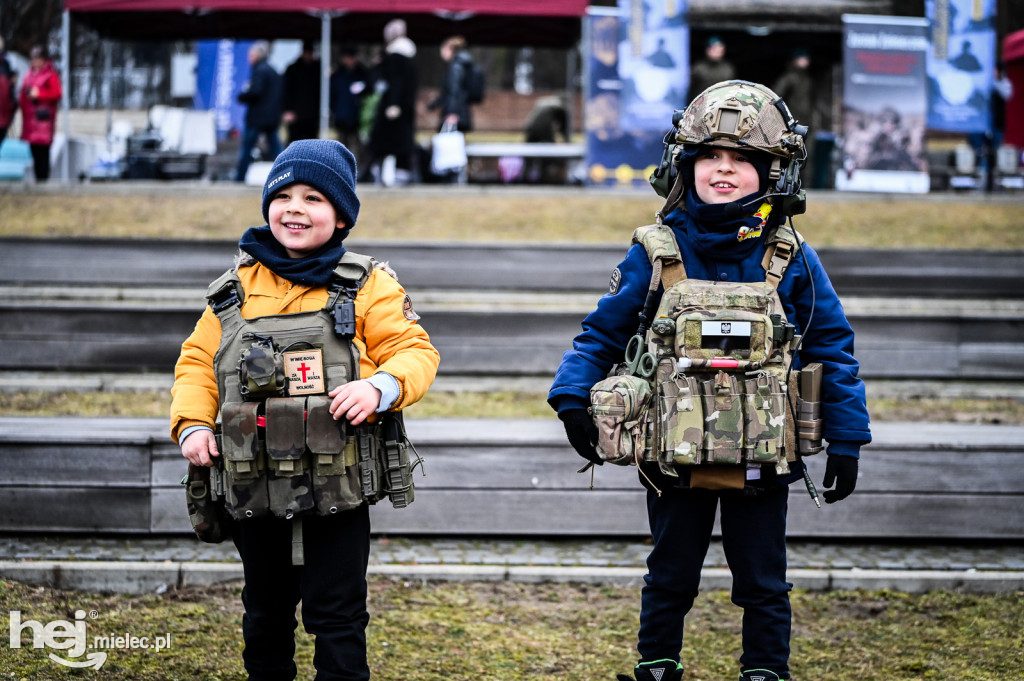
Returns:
point(720, 398)
point(282, 452)
point(619, 406)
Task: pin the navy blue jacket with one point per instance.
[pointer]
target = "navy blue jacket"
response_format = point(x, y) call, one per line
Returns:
point(828, 337)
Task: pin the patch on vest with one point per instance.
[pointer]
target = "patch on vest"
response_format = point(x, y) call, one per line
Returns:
point(305, 371)
point(615, 282)
point(407, 310)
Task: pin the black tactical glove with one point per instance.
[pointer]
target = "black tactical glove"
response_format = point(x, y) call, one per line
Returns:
point(582, 433)
point(842, 471)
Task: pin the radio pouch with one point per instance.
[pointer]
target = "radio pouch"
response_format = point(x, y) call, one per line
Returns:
point(204, 498)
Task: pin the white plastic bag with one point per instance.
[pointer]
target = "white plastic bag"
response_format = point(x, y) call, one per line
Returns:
point(449, 151)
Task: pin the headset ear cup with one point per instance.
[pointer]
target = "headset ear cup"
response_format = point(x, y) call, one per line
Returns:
point(664, 176)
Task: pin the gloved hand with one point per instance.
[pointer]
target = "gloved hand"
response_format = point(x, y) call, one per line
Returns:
point(841, 471)
point(582, 433)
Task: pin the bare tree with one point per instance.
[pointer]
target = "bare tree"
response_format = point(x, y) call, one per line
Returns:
point(24, 23)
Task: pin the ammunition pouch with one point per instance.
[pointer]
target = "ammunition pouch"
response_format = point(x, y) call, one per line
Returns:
point(385, 463)
point(295, 458)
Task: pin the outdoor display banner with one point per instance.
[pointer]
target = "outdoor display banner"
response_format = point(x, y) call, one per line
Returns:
point(961, 64)
point(884, 104)
point(636, 74)
point(222, 70)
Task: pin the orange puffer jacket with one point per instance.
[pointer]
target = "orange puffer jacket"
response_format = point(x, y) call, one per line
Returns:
point(387, 339)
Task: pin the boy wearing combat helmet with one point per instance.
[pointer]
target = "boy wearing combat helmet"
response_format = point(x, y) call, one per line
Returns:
point(732, 305)
point(329, 342)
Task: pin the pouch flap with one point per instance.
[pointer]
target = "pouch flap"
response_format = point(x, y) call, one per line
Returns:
point(324, 434)
point(286, 433)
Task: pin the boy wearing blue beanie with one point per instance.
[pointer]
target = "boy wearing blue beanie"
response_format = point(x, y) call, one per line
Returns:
point(302, 351)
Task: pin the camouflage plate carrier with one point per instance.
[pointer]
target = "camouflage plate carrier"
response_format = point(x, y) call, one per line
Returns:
point(282, 452)
point(716, 390)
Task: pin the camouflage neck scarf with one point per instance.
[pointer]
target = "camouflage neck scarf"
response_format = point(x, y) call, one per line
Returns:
point(313, 270)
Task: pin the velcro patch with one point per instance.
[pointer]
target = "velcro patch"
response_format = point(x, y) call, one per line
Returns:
point(407, 310)
point(305, 371)
point(615, 282)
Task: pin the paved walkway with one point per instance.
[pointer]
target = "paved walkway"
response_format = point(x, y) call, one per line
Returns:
point(141, 564)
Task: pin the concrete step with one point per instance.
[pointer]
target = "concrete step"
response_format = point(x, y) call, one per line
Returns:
point(516, 477)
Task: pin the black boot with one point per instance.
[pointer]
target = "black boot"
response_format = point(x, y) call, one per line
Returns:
point(660, 670)
point(760, 675)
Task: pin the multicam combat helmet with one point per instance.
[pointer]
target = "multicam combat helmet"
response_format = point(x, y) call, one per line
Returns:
point(737, 114)
point(741, 115)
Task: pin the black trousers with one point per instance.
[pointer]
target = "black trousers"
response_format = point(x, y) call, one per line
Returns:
point(754, 540)
point(331, 586)
point(41, 161)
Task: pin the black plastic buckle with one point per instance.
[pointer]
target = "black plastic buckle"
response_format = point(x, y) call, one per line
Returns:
point(224, 298)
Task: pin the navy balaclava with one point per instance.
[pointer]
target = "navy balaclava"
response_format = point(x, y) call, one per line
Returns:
point(729, 231)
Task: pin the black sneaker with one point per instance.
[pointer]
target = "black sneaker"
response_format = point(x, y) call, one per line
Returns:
point(759, 675)
point(659, 670)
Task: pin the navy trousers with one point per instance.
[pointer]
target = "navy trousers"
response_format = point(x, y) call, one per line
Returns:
point(754, 540)
point(331, 586)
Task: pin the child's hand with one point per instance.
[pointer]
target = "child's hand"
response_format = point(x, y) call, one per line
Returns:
point(199, 448)
point(355, 401)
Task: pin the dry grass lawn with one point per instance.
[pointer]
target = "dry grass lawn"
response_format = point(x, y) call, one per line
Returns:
point(489, 215)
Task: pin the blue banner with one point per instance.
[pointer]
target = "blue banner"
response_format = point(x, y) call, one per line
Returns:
point(637, 75)
point(961, 63)
point(222, 69)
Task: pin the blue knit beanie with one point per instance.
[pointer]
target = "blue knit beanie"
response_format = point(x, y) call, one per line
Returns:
point(325, 165)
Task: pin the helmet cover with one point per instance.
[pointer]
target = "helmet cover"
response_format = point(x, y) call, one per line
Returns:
point(739, 115)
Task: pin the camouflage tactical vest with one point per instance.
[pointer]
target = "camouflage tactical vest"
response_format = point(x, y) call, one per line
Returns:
point(283, 452)
point(717, 371)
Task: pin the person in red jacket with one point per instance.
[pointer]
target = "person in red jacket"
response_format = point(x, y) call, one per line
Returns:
point(40, 95)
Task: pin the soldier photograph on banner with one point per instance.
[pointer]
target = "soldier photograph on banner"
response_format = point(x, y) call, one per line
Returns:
point(885, 106)
point(637, 74)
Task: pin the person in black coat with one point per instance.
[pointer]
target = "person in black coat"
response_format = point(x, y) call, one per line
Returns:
point(453, 100)
point(263, 115)
point(302, 96)
point(349, 85)
point(395, 79)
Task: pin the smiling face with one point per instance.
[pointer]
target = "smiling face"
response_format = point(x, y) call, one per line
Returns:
point(302, 219)
point(724, 175)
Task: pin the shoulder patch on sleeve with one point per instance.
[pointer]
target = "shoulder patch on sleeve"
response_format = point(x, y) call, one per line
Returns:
point(407, 310)
point(615, 282)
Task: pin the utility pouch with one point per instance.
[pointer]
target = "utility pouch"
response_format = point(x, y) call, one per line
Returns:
point(619, 405)
point(261, 369)
point(809, 424)
point(681, 421)
point(718, 477)
point(764, 419)
point(288, 478)
point(204, 498)
point(246, 488)
point(723, 419)
point(332, 458)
